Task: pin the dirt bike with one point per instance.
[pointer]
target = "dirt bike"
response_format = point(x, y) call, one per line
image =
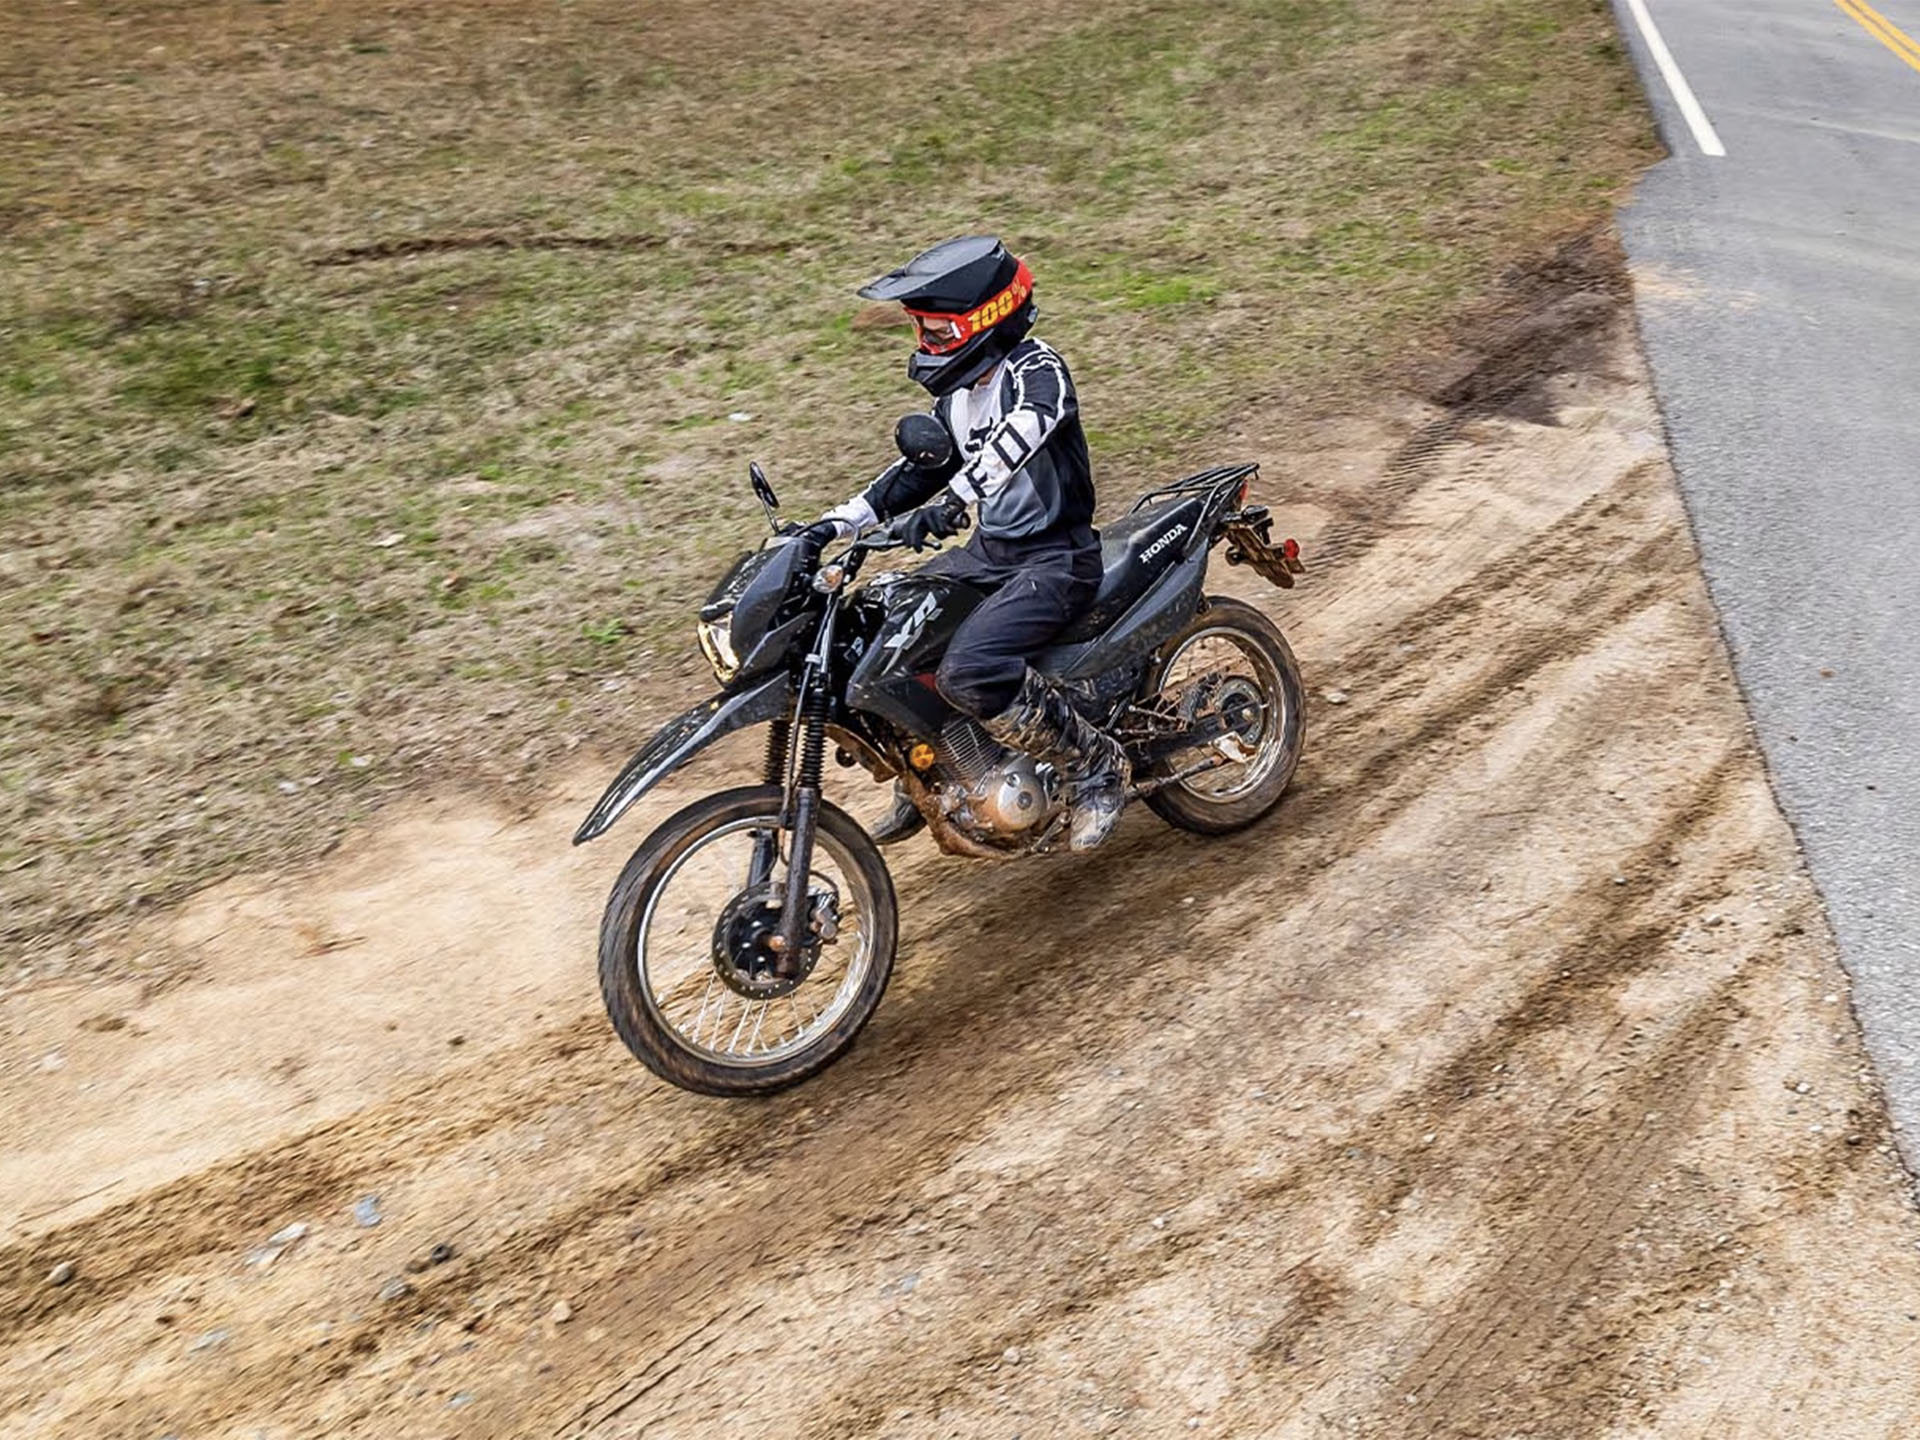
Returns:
point(751, 936)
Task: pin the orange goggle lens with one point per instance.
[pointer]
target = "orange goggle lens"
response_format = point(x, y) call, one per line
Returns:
point(941, 333)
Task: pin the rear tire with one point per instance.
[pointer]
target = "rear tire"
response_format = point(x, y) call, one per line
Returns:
point(627, 985)
point(1189, 806)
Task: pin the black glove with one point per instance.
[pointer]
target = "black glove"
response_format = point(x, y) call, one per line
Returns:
point(815, 538)
point(943, 519)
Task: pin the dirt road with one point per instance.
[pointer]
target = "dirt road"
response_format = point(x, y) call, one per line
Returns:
point(1504, 1084)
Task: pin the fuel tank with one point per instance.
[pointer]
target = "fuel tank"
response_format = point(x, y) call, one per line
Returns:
point(894, 678)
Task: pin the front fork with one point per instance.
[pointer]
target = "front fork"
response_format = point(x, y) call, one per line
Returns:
point(800, 806)
point(766, 843)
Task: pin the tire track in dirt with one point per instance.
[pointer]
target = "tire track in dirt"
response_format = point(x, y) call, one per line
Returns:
point(1560, 1000)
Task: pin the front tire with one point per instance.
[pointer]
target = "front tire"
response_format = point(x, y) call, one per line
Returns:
point(692, 1018)
point(1232, 797)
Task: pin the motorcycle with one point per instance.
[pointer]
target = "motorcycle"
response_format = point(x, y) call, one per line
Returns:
point(751, 936)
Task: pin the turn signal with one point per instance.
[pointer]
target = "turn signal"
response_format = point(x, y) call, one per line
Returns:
point(921, 756)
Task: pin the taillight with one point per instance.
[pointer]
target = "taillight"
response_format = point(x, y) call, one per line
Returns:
point(1246, 489)
point(1290, 548)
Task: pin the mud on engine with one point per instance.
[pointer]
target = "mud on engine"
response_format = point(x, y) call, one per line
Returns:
point(987, 790)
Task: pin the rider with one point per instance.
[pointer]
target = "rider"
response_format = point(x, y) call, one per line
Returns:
point(1021, 459)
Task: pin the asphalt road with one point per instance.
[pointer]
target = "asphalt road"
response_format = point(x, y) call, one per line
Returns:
point(1779, 297)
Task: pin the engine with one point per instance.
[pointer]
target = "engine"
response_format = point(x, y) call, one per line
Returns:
point(987, 789)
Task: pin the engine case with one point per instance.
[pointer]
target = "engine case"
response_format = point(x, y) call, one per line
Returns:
point(987, 789)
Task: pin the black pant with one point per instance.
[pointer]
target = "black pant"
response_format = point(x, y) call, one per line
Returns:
point(1029, 600)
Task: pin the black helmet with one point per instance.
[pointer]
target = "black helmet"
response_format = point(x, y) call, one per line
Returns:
point(970, 302)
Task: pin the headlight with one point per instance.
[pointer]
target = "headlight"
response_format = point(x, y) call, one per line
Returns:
point(716, 643)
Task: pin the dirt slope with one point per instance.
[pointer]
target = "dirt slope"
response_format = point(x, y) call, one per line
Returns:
point(1503, 1085)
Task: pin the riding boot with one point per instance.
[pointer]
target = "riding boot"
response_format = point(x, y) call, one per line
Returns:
point(901, 822)
point(1042, 722)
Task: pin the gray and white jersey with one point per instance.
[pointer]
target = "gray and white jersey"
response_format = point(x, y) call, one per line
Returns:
point(1023, 455)
point(1022, 459)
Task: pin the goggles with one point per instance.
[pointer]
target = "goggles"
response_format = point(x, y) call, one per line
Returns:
point(941, 333)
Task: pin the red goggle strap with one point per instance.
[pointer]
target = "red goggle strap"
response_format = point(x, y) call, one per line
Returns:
point(989, 312)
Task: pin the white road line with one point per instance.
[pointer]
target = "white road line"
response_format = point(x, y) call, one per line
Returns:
point(1703, 131)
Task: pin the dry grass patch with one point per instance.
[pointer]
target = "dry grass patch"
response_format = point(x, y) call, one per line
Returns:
point(374, 376)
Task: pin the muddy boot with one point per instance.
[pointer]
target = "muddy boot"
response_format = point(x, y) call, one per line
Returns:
point(902, 822)
point(1042, 723)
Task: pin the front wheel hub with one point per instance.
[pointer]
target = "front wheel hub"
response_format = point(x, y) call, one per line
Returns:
point(744, 956)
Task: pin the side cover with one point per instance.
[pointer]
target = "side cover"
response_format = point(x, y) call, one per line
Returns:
point(680, 740)
point(1153, 619)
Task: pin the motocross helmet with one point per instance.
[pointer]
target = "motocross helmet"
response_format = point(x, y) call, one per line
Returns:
point(970, 302)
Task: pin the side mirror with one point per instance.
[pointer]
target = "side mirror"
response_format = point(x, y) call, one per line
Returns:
point(924, 441)
point(763, 492)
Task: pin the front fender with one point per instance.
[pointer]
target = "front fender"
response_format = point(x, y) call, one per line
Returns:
point(679, 741)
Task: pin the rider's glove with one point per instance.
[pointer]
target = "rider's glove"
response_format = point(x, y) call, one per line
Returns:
point(943, 519)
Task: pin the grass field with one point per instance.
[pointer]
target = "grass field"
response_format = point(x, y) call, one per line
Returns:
point(377, 381)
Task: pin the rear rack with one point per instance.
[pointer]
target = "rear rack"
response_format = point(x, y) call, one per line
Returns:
point(1201, 482)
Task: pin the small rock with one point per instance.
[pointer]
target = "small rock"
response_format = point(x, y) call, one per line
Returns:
point(739, 417)
point(212, 1340)
point(1334, 697)
point(460, 1401)
point(1011, 1354)
point(440, 1254)
point(366, 1211)
point(1619, 879)
point(63, 1273)
point(397, 1288)
point(1803, 1088)
point(561, 1312)
point(277, 1245)
point(389, 540)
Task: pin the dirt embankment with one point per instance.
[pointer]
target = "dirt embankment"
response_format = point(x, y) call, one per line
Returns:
point(1503, 1084)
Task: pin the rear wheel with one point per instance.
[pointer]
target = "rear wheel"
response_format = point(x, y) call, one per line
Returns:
point(690, 981)
point(1230, 671)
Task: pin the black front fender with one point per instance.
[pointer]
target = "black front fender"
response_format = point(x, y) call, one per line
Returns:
point(680, 740)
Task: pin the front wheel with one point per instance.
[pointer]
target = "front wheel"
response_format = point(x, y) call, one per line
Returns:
point(689, 980)
point(1230, 672)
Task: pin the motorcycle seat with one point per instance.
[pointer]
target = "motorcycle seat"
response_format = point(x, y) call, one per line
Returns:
point(1135, 551)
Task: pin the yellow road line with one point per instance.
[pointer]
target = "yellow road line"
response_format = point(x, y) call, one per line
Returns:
point(1883, 30)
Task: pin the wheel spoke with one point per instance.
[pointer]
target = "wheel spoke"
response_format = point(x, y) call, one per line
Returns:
point(702, 946)
point(1209, 678)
